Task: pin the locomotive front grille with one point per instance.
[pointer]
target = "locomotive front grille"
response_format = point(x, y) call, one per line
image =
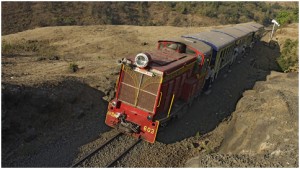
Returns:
point(138, 90)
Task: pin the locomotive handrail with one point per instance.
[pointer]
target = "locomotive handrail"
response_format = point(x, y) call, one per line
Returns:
point(159, 99)
point(171, 105)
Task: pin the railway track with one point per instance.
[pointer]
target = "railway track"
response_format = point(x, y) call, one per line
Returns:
point(102, 146)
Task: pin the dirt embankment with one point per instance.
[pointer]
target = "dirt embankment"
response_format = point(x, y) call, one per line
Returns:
point(53, 116)
point(263, 130)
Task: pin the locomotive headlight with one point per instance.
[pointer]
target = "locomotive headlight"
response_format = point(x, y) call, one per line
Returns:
point(114, 103)
point(142, 60)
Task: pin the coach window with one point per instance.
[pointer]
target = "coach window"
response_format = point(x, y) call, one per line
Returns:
point(222, 53)
point(231, 50)
point(227, 52)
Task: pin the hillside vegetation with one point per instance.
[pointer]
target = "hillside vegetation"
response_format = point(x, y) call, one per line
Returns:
point(288, 42)
point(288, 60)
point(20, 16)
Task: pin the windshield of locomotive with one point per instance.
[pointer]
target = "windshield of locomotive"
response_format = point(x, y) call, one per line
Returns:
point(138, 90)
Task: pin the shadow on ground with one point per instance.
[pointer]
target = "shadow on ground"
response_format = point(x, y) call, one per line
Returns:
point(44, 125)
point(208, 111)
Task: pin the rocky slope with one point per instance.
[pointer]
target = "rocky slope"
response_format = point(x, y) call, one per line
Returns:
point(263, 130)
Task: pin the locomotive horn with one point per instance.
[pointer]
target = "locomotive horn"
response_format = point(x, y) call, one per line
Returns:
point(124, 61)
point(119, 62)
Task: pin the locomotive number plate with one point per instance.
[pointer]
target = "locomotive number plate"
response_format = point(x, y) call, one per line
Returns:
point(148, 130)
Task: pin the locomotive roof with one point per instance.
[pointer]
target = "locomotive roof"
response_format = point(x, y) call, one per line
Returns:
point(245, 28)
point(167, 60)
point(254, 24)
point(235, 33)
point(200, 46)
point(216, 40)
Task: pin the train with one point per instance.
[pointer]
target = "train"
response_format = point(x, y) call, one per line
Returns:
point(156, 86)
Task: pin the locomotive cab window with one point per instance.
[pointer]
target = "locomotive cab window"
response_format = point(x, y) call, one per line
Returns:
point(160, 46)
point(190, 51)
point(180, 48)
point(172, 46)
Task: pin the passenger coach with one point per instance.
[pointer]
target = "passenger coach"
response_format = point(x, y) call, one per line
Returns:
point(223, 48)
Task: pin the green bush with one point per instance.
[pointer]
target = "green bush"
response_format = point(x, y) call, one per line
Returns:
point(6, 48)
point(73, 67)
point(64, 21)
point(287, 17)
point(289, 55)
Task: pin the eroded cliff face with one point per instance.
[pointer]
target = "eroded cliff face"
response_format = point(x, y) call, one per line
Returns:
point(263, 130)
point(266, 118)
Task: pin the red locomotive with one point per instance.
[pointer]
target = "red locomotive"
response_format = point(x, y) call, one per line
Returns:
point(154, 86)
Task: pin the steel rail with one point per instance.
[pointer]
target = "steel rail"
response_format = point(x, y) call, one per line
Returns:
point(123, 153)
point(96, 150)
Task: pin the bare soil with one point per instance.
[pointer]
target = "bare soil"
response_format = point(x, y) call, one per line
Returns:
point(52, 116)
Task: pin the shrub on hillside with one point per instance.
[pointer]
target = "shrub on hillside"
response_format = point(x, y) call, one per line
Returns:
point(73, 67)
point(12, 48)
point(289, 55)
point(27, 47)
point(64, 21)
point(287, 17)
point(6, 48)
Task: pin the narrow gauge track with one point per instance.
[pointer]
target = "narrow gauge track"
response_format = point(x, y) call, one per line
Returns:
point(123, 153)
point(100, 147)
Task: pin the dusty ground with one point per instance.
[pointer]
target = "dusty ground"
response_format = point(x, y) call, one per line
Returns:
point(52, 116)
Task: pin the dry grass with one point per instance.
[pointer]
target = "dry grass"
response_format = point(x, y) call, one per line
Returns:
point(106, 41)
point(96, 48)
